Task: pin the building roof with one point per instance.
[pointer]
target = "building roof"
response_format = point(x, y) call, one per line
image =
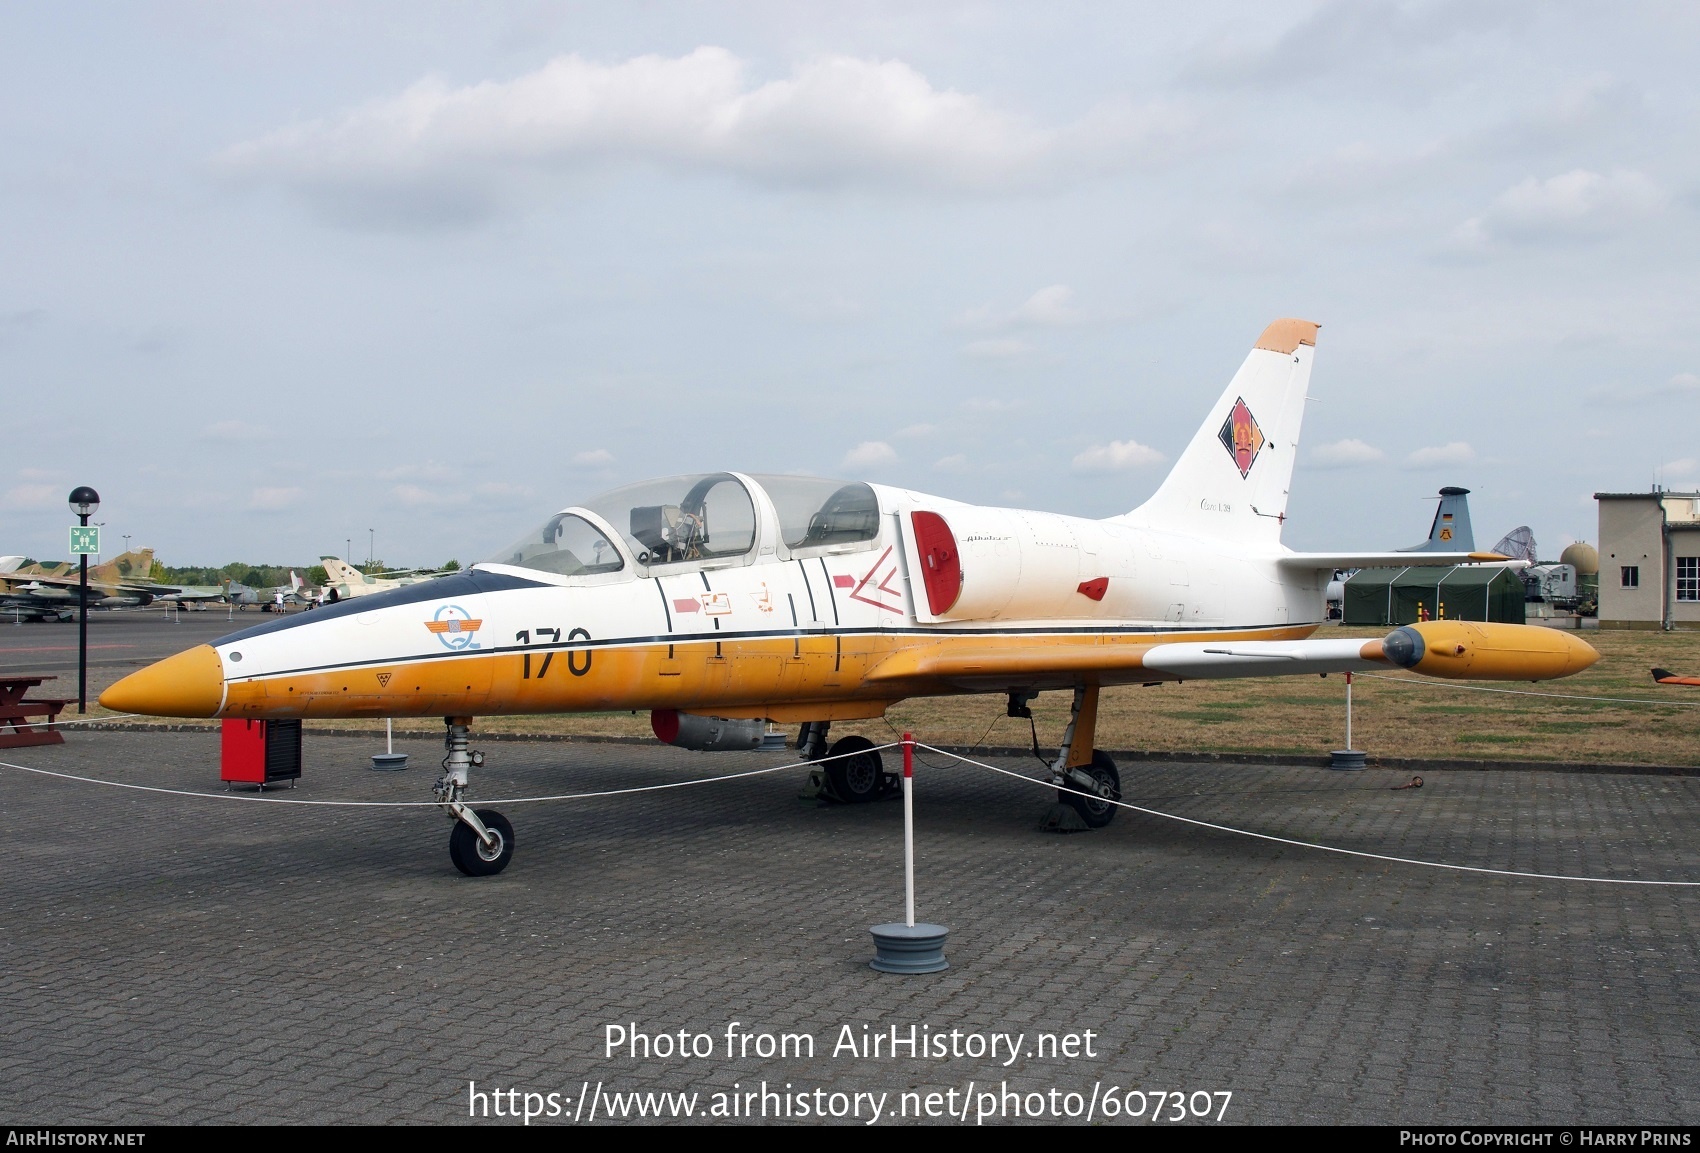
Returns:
point(1658, 494)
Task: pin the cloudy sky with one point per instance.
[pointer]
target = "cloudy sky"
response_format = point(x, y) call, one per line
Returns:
point(276, 274)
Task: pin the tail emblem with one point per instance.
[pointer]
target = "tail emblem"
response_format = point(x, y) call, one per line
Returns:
point(1241, 436)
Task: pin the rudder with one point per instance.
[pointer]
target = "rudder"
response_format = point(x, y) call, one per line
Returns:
point(1232, 480)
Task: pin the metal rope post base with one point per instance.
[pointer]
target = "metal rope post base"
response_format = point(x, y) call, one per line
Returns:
point(900, 948)
point(1347, 758)
point(908, 947)
point(389, 761)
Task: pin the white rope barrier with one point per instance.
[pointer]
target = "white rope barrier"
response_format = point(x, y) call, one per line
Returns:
point(75, 721)
point(790, 765)
point(245, 798)
point(1322, 848)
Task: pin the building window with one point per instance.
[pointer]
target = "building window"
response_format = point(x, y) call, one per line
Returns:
point(1688, 578)
point(1631, 576)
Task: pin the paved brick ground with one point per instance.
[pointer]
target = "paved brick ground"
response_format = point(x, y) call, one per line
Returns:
point(164, 959)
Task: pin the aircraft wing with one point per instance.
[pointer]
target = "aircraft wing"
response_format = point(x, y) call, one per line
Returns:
point(1449, 649)
point(1337, 560)
point(1017, 663)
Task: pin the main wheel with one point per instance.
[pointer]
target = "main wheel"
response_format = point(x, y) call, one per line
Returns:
point(858, 774)
point(1095, 807)
point(472, 856)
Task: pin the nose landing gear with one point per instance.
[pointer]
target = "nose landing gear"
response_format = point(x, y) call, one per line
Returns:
point(482, 842)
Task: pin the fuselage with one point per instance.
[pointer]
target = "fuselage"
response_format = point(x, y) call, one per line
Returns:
point(796, 626)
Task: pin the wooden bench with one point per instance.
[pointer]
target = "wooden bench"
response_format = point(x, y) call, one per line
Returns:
point(16, 727)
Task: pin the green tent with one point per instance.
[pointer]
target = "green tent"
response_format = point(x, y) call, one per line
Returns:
point(1400, 596)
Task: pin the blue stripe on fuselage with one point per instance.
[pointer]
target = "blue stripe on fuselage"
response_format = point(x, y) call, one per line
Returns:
point(462, 584)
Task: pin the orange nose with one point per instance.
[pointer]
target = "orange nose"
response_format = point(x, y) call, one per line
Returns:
point(190, 684)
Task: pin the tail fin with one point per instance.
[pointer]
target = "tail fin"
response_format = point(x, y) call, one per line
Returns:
point(339, 571)
point(1451, 530)
point(1232, 480)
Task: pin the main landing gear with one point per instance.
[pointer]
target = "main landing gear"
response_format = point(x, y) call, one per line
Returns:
point(1086, 778)
point(482, 842)
point(856, 774)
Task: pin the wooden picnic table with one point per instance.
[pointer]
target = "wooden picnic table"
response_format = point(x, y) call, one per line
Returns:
point(16, 728)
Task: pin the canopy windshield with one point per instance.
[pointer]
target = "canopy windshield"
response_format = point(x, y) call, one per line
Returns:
point(564, 544)
point(816, 511)
point(682, 518)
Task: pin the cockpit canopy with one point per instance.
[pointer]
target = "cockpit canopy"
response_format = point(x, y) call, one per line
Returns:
point(704, 516)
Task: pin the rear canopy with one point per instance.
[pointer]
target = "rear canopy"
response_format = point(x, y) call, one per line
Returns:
point(1402, 596)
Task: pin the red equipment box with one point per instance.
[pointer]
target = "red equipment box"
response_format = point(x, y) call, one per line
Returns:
point(260, 752)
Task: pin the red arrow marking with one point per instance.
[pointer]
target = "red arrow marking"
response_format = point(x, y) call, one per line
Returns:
point(883, 587)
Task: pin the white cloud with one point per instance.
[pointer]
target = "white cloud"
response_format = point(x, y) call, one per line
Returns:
point(1579, 204)
point(1344, 454)
point(835, 120)
point(35, 496)
point(593, 458)
point(916, 431)
point(1685, 466)
point(412, 496)
point(957, 462)
point(1117, 455)
point(1437, 456)
point(1050, 307)
point(274, 499)
point(869, 454)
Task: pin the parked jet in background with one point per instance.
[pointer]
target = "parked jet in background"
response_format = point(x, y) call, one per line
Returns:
point(343, 580)
point(49, 591)
point(724, 601)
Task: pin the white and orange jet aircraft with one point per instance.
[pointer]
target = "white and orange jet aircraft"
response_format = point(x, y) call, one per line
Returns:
point(725, 601)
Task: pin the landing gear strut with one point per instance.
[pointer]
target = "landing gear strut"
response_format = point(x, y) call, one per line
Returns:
point(482, 842)
point(1086, 778)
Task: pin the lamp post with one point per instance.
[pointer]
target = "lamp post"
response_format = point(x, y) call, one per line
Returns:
point(84, 501)
point(371, 547)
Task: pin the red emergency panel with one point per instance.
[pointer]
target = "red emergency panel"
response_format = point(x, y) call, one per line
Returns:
point(941, 566)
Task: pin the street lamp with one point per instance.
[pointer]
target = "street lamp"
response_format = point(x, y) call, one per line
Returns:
point(371, 547)
point(84, 501)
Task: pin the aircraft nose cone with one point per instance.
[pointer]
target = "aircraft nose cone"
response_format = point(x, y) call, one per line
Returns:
point(190, 684)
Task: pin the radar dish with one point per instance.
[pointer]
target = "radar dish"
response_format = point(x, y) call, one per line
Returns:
point(1518, 544)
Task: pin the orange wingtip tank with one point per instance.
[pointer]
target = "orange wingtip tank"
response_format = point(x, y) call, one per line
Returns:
point(1469, 650)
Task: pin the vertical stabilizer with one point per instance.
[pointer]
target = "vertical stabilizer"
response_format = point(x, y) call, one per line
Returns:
point(1232, 480)
point(1451, 530)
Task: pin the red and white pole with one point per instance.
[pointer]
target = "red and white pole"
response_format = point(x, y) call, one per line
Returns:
point(909, 829)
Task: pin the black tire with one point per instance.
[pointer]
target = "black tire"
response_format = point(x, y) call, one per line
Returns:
point(859, 774)
point(1096, 810)
point(469, 853)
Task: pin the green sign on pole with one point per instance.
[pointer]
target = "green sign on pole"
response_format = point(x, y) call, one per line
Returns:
point(85, 540)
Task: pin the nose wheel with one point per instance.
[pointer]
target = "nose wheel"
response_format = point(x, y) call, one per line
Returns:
point(482, 842)
point(479, 858)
